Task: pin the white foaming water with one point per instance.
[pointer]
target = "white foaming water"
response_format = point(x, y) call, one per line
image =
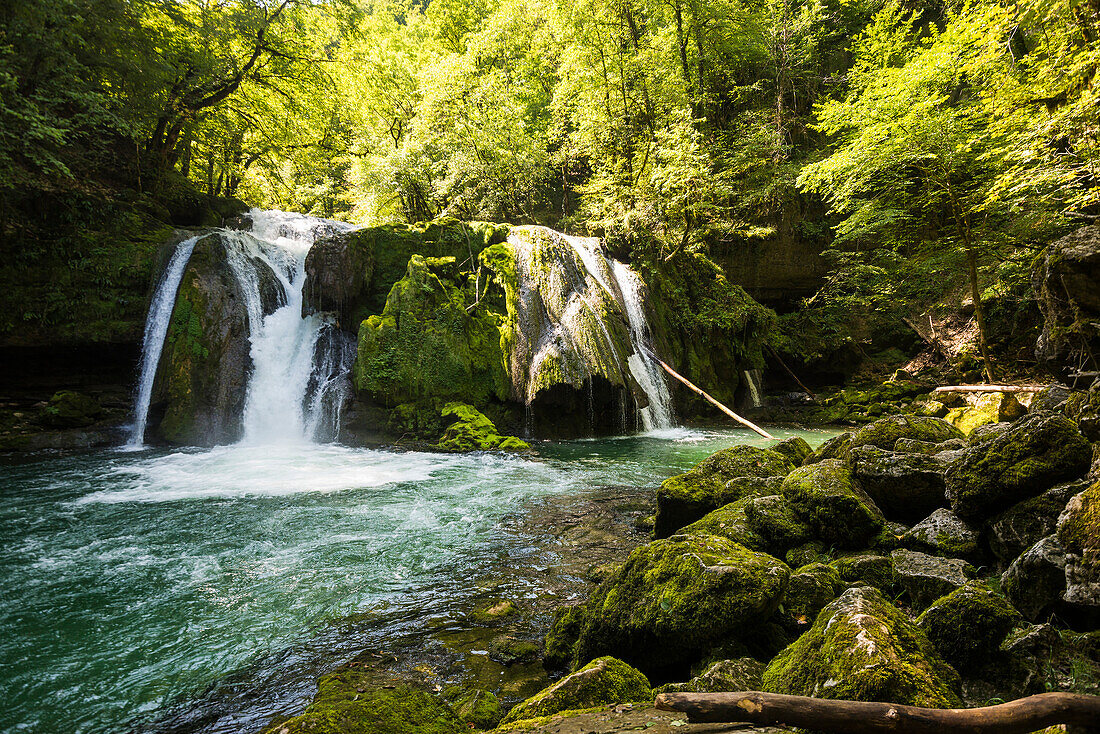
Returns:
point(646, 372)
point(156, 328)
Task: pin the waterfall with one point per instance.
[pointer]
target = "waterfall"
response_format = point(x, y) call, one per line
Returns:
point(156, 328)
point(754, 381)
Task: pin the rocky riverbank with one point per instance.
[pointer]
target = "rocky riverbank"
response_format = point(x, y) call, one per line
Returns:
point(911, 560)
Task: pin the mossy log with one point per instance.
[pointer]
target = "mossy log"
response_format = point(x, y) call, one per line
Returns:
point(860, 717)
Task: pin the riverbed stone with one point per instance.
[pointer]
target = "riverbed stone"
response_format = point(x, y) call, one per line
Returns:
point(825, 497)
point(561, 640)
point(721, 478)
point(794, 448)
point(885, 432)
point(675, 598)
point(605, 680)
point(926, 578)
point(968, 625)
point(906, 487)
point(863, 648)
point(741, 674)
point(1025, 523)
point(1036, 453)
point(1079, 534)
point(1035, 581)
point(835, 448)
point(479, 708)
point(943, 534)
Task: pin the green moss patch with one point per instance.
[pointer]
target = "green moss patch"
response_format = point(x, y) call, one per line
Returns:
point(603, 681)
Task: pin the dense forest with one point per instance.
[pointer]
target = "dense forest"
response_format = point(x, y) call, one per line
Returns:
point(928, 149)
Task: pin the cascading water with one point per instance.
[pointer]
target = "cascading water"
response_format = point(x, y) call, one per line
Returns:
point(754, 382)
point(300, 365)
point(156, 328)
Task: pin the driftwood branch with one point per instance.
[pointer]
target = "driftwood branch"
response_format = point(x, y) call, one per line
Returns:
point(858, 717)
point(790, 372)
point(743, 421)
point(990, 388)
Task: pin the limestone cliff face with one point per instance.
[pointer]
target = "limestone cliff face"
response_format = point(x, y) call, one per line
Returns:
point(1066, 281)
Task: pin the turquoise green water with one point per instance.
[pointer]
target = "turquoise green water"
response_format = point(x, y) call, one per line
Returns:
point(130, 583)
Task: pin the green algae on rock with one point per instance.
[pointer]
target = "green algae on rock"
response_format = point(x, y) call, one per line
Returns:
point(1036, 453)
point(825, 497)
point(472, 431)
point(561, 640)
point(865, 569)
point(479, 708)
point(863, 648)
point(968, 625)
point(675, 598)
point(885, 432)
point(742, 674)
point(729, 521)
point(605, 680)
point(69, 409)
point(685, 498)
point(352, 702)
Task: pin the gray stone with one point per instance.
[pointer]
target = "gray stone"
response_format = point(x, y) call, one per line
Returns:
point(742, 674)
point(906, 487)
point(1026, 523)
point(1035, 581)
point(943, 534)
point(927, 578)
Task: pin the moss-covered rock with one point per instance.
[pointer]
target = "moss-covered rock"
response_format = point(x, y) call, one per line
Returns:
point(605, 680)
point(943, 534)
point(1038, 452)
point(986, 432)
point(905, 486)
point(885, 432)
point(862, 648)
point(1024, 524)
point(915, 446)
point(675, 598)
point(685, 498)
point(69, 409)
point(825, 497)
point(742, 674)
point(561, 640)
point(795, 449)
point(865, 569)
point(984, 409)
point(1084, 409)
point(1079, 533)
point(968, 625)
point(351, 702)
point(926, 578)
point(810, 589)
point(479, 708)
point(836, 447)
point(472, 431)
point(772, 518)
point(1035, 581)
point(730, 522)
point(494, 612)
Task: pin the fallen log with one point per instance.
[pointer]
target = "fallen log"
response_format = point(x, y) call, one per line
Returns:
point(712, 401)
point(990, 388)
point(859, 717)
point(790, 372)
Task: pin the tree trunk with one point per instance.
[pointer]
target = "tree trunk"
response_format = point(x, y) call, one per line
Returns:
point(979, 313)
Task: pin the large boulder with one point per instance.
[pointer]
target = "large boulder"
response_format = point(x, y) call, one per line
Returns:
point(715, 481)
point(984, 409)
point(469, 430)
point(943, 534)
point(810, 589)
point(1035, 581)
point(867, 569)
point(338, 268)
point(1064, 281)
point(742, 674)
point(795, 448)
point(1026, 523)
point(863, 648)
point(836, 447)
point(905, 486)
point(1079, 533)
point(926, 578)
point(772, 518)
point(825, 497)
point(885, 432)
point(675, 598)
point(69, 409)
point(1084, 409)
point(730, 522)
point(1036, 453)
point(968, 625)
point(605, 680)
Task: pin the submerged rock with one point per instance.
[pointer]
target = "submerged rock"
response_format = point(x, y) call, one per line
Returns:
point(603, 681)
point(1035, 581)
point(905, 486)
point(968, 625)
point(1036, 453)
point(723, 477)
point(885, 432)
point(862, 648)
point(675, 598)
point(824, 497)
point(927, 578)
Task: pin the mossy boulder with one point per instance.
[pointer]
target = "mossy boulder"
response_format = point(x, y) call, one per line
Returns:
point(986, 432)
point(1079, 533)
point(675, 598)
point(1064, 280)
point(836, 447)
point(479, 708)
point(685, 498)
point(968, 625)
point(426, 345)
point(885, 432)
point(810, 589)
point(1036, 453)
point(561, 640)
point(863, 648)
point(905, 486)
point(986, 408)
point(867, 569)
point(825, 497)
point(1084, 409)
point(730, 522)
point(943, 534)
point(69, 409)
point(795, 449)
point(1036, 580)
point(742, 674)
point(916, 446)
point(469, 430)
point(926, 578)
point(1024, 524)
point(352, 702)
point(603, 681)
point(772, 518)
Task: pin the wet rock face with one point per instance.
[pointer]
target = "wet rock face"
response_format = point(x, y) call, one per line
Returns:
point(202, 378)
point(338, 268)
point(927, 578)
point(605, 680)
point(1033, 455)
point(676, 598)
point(1065, 282)
point(1035, 581)
point(862, 648)
point(905, 486)
point(1079, 533)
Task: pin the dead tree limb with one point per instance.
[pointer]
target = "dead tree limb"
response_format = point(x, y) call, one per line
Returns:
point(712, 401)
point(790, 372)
point(989, 388)
point(858, 717)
